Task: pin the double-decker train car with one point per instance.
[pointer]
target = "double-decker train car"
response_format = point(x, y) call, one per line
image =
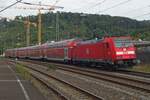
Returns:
point(59, 51)
point(106, 51)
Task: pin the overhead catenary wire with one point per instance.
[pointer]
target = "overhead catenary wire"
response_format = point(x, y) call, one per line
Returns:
point(114, 6)
point(51, 7)
point(57, 23)
point(141, 8)
point(99, 3)
point(28, 3)
point(17, 1)
point(56, 2)
point(142, 15)
point(29, 8)
point(92, 6)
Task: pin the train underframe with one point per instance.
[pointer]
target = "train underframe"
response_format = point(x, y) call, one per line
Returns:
point(105, 63)
point(92, 63)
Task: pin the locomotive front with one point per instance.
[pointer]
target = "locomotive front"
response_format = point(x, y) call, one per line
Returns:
point(124, 51)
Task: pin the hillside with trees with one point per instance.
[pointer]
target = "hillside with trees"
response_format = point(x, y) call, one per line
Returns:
point(70, 25)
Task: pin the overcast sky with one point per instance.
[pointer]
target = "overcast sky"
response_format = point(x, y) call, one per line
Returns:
point(137, 9)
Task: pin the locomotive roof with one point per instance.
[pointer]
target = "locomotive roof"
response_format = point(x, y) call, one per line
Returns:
point(90, 41)
point(35, 46)
point(66, 42)
point(126, 37)
point(62, 43)
point(59, 43)
point(22, 48)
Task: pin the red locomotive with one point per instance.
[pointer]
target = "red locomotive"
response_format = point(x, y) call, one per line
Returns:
point(108, 51)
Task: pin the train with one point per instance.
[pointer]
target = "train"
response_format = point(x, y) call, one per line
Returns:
point(108, 51)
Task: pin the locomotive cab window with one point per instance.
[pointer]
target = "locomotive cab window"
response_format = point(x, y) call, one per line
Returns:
point(122, 42)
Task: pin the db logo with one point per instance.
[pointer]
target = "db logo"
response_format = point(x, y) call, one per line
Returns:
point(124, 49)
point(87, 51)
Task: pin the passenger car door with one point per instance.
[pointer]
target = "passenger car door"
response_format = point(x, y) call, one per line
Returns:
point(65, 53)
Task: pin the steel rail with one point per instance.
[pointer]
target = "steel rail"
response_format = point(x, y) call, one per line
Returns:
point(135, 73)
point(125, 81)
point(63, 81)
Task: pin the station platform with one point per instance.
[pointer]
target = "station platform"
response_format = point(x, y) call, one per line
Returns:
point(12, 87)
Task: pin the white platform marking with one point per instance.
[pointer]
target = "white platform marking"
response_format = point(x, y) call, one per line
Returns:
point(21, 85)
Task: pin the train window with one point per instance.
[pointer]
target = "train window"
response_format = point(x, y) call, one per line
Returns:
point(123, 43)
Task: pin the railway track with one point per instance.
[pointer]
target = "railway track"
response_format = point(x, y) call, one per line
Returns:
point(124, 80)
point(120, 71)
point(45, 83)
point(135, 73)
point(65, 96)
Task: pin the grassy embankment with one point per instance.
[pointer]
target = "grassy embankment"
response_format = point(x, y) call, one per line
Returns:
point(27, 76)
point(23, 72)
point(142, 68)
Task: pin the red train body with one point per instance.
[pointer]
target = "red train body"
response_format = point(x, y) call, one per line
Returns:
point(109, 50)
